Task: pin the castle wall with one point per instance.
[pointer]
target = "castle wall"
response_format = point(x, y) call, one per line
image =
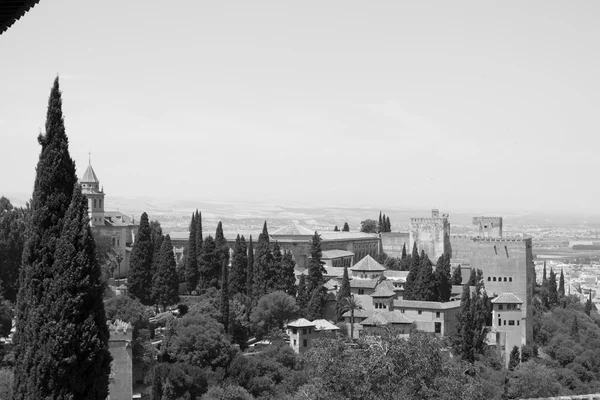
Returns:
point(489, 227)
point(430, 235)
point(393, 242)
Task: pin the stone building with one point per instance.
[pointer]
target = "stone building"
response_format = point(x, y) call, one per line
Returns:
point(302, 332)
point(119, 228)
point(430, 234)
point(489, 227)
point(507, 319)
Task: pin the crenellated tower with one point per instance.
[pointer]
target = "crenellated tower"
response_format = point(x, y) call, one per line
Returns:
point(90, 187)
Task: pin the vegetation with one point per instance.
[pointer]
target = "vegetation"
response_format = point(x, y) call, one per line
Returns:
point(13, 222)
point(139, 276)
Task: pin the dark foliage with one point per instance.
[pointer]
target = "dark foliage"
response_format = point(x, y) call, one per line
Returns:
point(191, 258)
point(239, 263)
point(346, 227)
point(139, 276)
point(165, 283)
point(315, 265)
point(13, 224)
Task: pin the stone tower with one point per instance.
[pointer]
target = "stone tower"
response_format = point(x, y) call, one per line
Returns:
point(489, 227)
point(431, 234)
point(90, 187)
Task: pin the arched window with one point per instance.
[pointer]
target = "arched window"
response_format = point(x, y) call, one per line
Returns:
point(494, 279)
point(94, 203)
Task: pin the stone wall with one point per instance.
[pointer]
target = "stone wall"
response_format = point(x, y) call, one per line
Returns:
point(489, 227)
point(393, 242)
point(430, 235)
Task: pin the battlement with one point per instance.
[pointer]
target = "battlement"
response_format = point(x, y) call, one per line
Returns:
point(478, 220)
point(429, 220)
point(459, 236)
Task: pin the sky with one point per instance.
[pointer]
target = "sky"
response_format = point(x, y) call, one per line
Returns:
point(453, 104)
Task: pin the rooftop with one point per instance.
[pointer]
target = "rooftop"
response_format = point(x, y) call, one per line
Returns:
point(395, 275)
point(89, 176)
point(364, 283)
point(331, 254)
point(507, 298)
point(430, 305)
point(117, 218)
point(333, 271)
point(11, 11)
point(384, 289)
point(368, 264)
point(358, 313)
point(293, 230)
point(324, 325)
point(300, 323)
point(387, 317)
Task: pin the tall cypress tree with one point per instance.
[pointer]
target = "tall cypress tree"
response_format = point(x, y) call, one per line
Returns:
point(544, 277)
point(199, 236)
point(336, 229)
point(210, 263)
point(225, 295)
point(34, 345)
point(315, 266)
point(262, 264)
point(303, 295)
point(275, 269)
point(222, 246)
point(287, 278)
point(552, 291)
point(425, 285)
point(404, 255)
point(239, 263)
point(442, 278)
point(388, 224)
point(343, 293)
point(472, 277)
point(139, 276)
point(380, 226)
point(314, 309)
point(250, 270)
point(191, 260)
point(346, 227)
point(588, 304)
point(561, 285)
point(457, 276)
point(413, 273)
point(165, 283)
point(157, 237)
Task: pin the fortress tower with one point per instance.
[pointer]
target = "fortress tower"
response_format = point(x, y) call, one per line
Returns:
point(489, 227)
point(90, 187)
point(430, 234)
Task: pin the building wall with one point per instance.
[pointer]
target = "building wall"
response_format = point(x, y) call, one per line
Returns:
point(393, 242)
point(123, 239)
point(489, 227)
point(121, 382)
point(425, 322)
point(431, 235)
point(297, 339)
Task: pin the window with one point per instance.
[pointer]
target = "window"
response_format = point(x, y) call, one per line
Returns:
point(361, 291)
point(113, 239)
point(402, 311)
point(500, 307)
point(438, 327)
point(304, 331)
point(511, 322)
point(437, 314)
point(494, 279)
point(100, 203)
point(518, 322)
point(510, 278)
point(294, 331)
point(309, 331)
point(294, 342)
point(118, 241)
point(504, 322)
point(305, 342)
point(420, 312)
point(504, 279)
point(94, 203)
point(489, 278)
point(499, 321)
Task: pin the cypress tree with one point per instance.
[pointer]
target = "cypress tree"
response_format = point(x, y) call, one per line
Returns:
point(561, 285)
point(52, 195)
point(222, 246)
point(411, 279)
point(139, 276)
point(191, 260)
point(210, 264)
point(588, 304)
point(250, 270)
point(544, 278)
point(13, 225)
point(388, 224)
point(515, 358)
point(346, 228)
point(225, 296)
point(575, 330)
point(275, 269)
point(425, 286)
point(314, 309)
point(199, 236)
point(472, 277)
point(457, 276)
point(262, 264)
point(342, 294)
point(380, 226)
point(165, 283)
point(315, 266)
point(157, 237)
point(239, 263)
point(287, 278)
point(336, 229)
point(404, 255)
point(442, 278)
point(552, 291)
point(302, 298)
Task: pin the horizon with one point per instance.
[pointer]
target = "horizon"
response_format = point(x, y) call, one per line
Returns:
point(411, 103)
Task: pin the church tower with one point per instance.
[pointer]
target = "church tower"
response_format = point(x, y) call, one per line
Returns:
point(90, 187)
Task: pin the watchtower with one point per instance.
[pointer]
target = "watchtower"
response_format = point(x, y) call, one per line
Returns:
point(489, 227)
point(431, 234)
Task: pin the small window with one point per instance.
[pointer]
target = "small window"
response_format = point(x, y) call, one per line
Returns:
point(499, 321)
point(402, 311)
point(100, 203)
point(489, 278)
point(511, 322)
point(118, 241)
point(518, 322)
point(294, 342)
point(438, 327)
point(113, 239)
point(420, 312)
point(500, 306)
point(437, 314)
point(305, 342)
point(504, 279)
point(504, 322)
point(494, 279)
point(510, 278)
point(294, 331)
point(304, 331)
point(361, 291)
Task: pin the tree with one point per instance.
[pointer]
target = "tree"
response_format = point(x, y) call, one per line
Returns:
point(457, 276)
point(273, 311)
point(342, 294)
point(165, 283)
point(442, 278)
point(472, 330)
point(411, 278)
point(336, 229)
point(588, 304)
point(472, 277)
point(5, 318)
point(315, 265)
point(346, 227)
point(222, 246)
point(561, 285)
point(352, 304)
point(533, 380)
point(287, 278)
point(191, 266)
point(157, 237)
point(13, 224)
point(177, 381)
point(314, 310)
point(388, 224)
point(55, 220)
point(302, 293)
point(239, 263)
point(199, 235)
point(368, 226)
point(575, 330)
point(209, 264)
point(552, 291)
point(544, 278)
point(425, 286)
point(515, 358)
point(139, 276)
point(262, 265)
point(380, 223)
point(404, 255)
point(225, 296)
point(229, 392)
point(250, 270)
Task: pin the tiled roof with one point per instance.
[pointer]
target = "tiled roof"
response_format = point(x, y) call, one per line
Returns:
point(89, 176)
point(432, 305)
point(333, 271)
point(300, 323)
point(368, 264)
point(329, 236)
point(363, 283)
point(331, 254)
point(324, 325)
point(117, 218)
point(384, 290)
point(359, 313)
point(387, 317)
point(507, 298)
point(331, 284)
point(293, 230)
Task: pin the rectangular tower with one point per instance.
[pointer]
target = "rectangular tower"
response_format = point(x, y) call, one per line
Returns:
point(430, 234)
point(489, 227)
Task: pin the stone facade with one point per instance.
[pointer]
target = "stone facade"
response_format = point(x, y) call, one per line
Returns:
point(489, 227)
point(430, 234)
point(392, 243)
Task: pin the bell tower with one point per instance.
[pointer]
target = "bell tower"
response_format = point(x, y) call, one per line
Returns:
point(90, 187)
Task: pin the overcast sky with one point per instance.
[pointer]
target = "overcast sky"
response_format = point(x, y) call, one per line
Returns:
point(454, 104)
